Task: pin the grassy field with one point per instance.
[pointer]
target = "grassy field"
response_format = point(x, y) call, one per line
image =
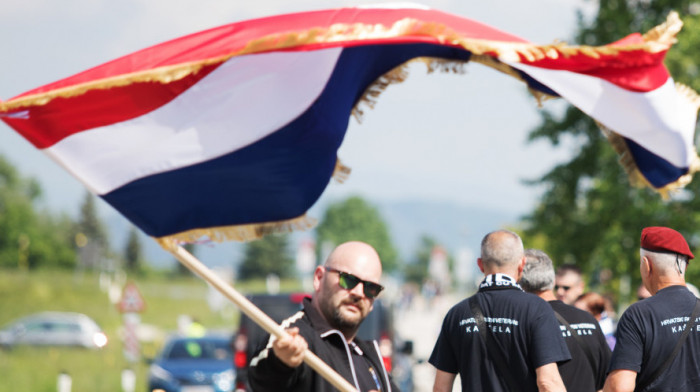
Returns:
point(37, 368)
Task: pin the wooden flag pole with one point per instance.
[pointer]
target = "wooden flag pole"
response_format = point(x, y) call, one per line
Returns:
point(255, 314)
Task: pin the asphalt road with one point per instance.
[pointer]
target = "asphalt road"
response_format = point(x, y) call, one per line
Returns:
point(421, 323)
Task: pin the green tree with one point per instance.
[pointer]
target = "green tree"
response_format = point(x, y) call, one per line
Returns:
point(269, 255)
point(91, 235)
point(133, 251)
point(417, 270)
point(30, 238)
point(589, 214)
point(354, 219)
point(89, 222)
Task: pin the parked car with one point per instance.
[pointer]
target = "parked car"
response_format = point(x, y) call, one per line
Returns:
point(193, 364)
point(54, 329)
point(378, 325)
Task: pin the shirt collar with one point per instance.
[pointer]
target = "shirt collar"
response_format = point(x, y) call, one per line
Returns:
point(317, 321)
point(498, 281)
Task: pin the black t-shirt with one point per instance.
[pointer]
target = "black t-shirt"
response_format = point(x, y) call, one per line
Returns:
point(524, 328)
point(647, 334)
point(578, 374)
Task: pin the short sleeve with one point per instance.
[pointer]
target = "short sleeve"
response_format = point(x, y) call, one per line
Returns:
point(443, 355)
point(548, 346)
point(604, 355)
point(629, 347)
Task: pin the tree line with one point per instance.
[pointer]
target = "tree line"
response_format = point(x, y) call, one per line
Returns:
point(35, 238)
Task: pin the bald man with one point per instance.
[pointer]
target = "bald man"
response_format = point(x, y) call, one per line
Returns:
point(500, 339)
point(344, 292)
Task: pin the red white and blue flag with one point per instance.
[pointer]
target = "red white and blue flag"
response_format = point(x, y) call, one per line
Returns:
point(233, 132)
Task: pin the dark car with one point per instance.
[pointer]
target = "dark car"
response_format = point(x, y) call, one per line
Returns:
point(378, 325)
point(193, 364)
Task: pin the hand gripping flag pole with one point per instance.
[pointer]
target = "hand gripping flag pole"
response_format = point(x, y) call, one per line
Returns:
point(255, 314)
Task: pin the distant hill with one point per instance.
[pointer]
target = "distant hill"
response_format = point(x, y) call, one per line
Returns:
point(454, 226)
point(451, 225)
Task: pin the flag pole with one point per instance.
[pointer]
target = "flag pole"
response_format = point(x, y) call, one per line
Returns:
point(255, 314)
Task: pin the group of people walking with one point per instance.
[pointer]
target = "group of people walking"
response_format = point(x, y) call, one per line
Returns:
point(519, 332)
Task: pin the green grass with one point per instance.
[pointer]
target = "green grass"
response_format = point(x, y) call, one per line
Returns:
point(37, 368)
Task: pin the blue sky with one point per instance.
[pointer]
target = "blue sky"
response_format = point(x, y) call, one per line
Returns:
point(440, 137)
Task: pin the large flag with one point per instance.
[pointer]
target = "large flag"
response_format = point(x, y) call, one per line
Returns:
point(233, 132)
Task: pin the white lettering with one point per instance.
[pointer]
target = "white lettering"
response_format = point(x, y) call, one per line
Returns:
point(500, 320)
point(583, 326)
point(675, 320)
point(467, 321)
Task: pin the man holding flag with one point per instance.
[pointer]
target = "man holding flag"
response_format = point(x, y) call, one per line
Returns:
point(344, 292)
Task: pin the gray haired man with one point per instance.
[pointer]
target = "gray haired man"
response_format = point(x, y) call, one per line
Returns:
point(590, 354)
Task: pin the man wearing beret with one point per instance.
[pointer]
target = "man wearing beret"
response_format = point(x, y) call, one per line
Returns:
point(648, 355)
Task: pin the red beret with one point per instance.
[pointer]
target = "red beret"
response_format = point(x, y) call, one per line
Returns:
point(663, 239)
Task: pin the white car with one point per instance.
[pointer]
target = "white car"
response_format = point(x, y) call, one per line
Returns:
point(54, 329)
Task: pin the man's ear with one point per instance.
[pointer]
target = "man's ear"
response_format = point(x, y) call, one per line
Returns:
point(521, 267)
point(480, 264)
point(648, 264)
point(318, 274)
point(647, 267)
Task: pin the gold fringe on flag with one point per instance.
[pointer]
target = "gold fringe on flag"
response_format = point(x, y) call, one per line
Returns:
point(434, 64)
point(369, 97)
point(398, 75)
point(341, 172)
point(494, 63)
point(689, 94)
point(658, 39)
point(635, 176)
point(628, 163)
point(665, 33)
point(240, 233)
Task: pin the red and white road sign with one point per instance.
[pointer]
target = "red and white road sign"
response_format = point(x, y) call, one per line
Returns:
point(131, 301)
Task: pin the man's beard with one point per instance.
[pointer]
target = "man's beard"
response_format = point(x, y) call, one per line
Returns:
point(341, 322)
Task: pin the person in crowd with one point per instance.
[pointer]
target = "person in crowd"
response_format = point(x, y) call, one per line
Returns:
point(195, 329)
point(568, 283)
point(344, 292)
point(658, 344)
point(590, 354)
point(501, 338)
point(642, 292)
point(599, 306)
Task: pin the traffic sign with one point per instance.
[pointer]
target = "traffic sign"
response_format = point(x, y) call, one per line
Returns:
point(131, 301)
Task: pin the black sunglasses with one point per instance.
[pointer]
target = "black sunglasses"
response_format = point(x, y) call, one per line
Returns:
point(348, 281)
